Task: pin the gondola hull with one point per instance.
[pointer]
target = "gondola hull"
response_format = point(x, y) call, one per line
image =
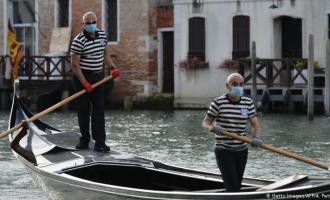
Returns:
point(59, 187)
point(66, 173)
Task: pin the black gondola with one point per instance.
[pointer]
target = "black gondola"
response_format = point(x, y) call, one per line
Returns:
point(66, 173)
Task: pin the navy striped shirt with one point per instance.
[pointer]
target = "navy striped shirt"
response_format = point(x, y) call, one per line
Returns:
point(91, 50)
point(232, 117)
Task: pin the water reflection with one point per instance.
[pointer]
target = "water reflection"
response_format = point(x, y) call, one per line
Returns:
point(176, 138)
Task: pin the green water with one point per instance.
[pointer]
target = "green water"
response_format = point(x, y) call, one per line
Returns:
point(176, 138)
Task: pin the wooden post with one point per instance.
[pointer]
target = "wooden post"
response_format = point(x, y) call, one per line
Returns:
point(327, 81)
point(128, 103)
point(2, 100)
point(253, 73)
point(65, 94)
point(310, 106)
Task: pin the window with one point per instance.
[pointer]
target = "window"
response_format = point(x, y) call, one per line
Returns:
point(110, 19)
point(23, 24)
point(241, 37)
point(23, 11)
point(197, 38)
point(293, 3)
point(63, 13)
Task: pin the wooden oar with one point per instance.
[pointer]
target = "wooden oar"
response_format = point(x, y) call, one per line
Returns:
point(54, 107)
point(279, 151)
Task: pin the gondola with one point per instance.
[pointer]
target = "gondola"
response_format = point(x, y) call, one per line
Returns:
point(64, 172)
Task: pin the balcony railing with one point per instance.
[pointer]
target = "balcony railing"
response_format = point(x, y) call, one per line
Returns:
point(40, 67)
point(276, 72)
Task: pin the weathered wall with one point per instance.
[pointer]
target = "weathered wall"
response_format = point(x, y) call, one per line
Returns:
point(79, 7)
point(135, 53)
point(208, 83)
point(2, 30)
point(165, 16)
point(46, 24)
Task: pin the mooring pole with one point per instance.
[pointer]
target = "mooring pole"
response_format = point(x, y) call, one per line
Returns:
point(253, 73)
point(310, 106)
point(327, 81)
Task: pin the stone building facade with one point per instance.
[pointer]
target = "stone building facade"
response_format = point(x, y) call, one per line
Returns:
point(226, 29)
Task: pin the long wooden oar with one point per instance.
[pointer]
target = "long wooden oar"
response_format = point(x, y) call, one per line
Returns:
point(279, 151)
point(54, 107)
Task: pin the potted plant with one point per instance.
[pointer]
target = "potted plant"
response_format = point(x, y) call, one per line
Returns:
point(229, 63)
point(192, 63)
point(300, 64)
point(317, 65)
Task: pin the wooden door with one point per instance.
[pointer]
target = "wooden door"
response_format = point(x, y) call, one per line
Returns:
point(291, 38)
point(168, 62)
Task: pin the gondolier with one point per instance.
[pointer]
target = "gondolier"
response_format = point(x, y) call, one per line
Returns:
point(89, 53)
point(230, 112)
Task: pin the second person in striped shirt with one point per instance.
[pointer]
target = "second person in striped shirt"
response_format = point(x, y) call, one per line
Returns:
point(231, 112)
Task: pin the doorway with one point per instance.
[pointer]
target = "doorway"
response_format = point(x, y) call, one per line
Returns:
point(287, 44)
point(291, 37)
point(166, 61)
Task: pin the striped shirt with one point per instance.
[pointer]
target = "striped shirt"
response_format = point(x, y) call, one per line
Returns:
point(232, 117)
point(91, 50)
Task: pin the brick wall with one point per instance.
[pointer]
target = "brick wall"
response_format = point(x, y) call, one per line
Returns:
point(79, 8)
point(165, 16)
point(136, 51)
point(46, 24)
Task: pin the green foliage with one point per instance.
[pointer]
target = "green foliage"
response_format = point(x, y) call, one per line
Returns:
point(300, 64)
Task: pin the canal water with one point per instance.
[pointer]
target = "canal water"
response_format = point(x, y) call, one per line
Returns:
point(176, 138)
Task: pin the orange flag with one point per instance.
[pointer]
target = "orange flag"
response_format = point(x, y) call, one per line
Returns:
point(14, 50)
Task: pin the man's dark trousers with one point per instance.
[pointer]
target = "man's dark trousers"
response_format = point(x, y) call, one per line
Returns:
point(232, 165)
point(91, 106)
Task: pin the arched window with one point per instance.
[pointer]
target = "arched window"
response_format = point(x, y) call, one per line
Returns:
point(197, 38)
point(241, 36)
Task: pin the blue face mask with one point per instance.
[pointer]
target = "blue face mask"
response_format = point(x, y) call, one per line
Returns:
point(237, 91)
point(90, 28)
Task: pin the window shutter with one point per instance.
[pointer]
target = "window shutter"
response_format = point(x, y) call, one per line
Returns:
point(197, 38)
point(111, 15)
point(63, 13)
point(328, 26)
point(241, 37)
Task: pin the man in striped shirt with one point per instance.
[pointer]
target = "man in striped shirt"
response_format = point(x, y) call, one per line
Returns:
point(88, 56)
point(231, 112)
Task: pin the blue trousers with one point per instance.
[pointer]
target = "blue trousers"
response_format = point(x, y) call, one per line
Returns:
point(232, 165)
point(91, 108)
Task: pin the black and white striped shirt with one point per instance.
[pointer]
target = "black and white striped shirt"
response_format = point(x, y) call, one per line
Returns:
point(232, 117)
point(91, 50)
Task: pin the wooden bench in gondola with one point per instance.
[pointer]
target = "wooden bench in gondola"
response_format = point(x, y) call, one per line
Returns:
point(283, 182)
